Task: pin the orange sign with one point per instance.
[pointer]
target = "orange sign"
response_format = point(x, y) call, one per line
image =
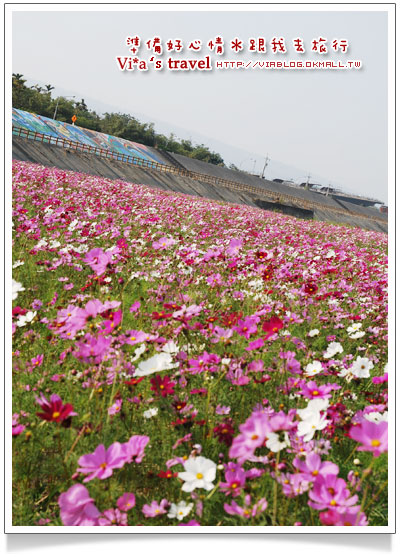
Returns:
point(73, 118)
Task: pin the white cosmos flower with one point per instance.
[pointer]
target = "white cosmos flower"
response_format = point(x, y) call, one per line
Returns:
point(315, 406)
point(27, 318)
point(313, 333)
point(314, 368)
point(199, 473)
point(358, 334)
point(18, 264)
point(16, 288)
point(150, 413)
point(138, 352)
point(361, 367)
point(311, 423)
point(170, 348)
point(354, 328)
point(330, 254)
point(347, 374)
point(333, 349)
point(159, 362)
point(277, 441)
point(376, 417)
point(180, 510)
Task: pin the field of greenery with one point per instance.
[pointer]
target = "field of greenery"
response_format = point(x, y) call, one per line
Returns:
point(179, 361)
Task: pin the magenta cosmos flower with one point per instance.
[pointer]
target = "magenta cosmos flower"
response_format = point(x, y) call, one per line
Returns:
point(372, 436)
point(77, 507)
point(102, 462)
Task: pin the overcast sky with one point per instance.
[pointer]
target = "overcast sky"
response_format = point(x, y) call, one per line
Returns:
point(332, 124)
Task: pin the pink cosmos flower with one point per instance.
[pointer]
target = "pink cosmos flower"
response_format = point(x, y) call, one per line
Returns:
point(94, 350)
point(331, 492)
point(234, 482)
point(351, 517)
point(155, 509)
point(113, 517)
point(77, 507)
point(372, 436)
point(102, 462)
point(255, 344)
point(37, 360)
point(115, 408)
point(135, 448)
point(312, 467)
point(246, 327)
point(135, 337)
point(312, 390)
point(98, 260)
point(234, 247)
point(126, 502)
point(247, 511)
point(163, 243)
point(134, 307)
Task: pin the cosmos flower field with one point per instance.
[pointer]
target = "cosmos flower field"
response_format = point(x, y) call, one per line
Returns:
point(179, 361)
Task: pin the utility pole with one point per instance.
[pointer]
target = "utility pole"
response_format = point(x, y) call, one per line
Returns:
point(265, 166)
point(58, 100)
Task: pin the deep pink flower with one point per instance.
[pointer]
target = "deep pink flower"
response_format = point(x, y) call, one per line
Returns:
point(55, 410)
point(272, 326)
point(162, 385)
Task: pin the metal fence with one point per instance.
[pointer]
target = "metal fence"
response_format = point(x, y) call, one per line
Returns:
point(214, 180)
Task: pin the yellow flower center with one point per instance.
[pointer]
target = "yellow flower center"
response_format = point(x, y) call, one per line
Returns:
point(56, 414)
point(315, 473)
point(103, 466)
point(133, 338)
point(199, 476)
point(375, 443)
point(315, 393)
point(333, 503)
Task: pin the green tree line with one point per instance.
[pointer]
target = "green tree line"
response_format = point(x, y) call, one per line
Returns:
point(39, 100)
